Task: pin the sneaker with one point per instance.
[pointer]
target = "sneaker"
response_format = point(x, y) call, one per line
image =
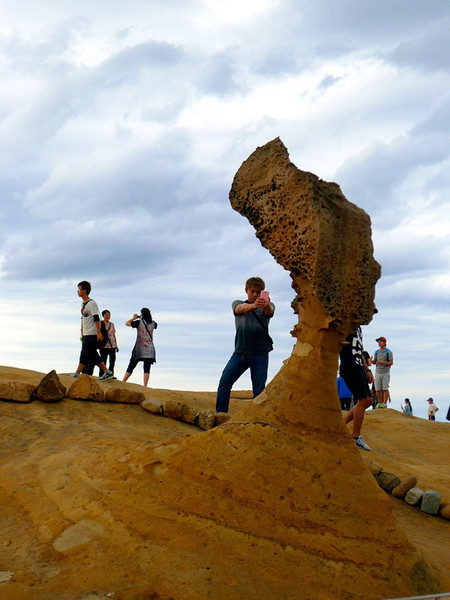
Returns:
point(106, 375)
point(359, 441)
point(76, 375)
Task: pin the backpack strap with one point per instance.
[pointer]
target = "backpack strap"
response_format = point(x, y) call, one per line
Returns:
point(145, 325)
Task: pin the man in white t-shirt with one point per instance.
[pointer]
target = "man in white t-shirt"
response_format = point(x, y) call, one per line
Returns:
point(432, 409)
point(90, 332)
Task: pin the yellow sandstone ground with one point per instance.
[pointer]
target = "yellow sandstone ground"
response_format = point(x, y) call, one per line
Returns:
point(90, 507)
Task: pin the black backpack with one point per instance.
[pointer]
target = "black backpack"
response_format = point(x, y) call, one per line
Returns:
point(102, 343)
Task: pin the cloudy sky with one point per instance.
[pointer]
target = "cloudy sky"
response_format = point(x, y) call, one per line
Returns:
point(122, 125)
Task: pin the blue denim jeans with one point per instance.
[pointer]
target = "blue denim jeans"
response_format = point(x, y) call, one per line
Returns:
point(236, 366)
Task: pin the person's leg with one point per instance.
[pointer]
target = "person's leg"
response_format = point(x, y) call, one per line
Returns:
point(131, 365)
point(259, 364)
point(112, 359)
point(233, 370)
point(88, 355)
point(103, 356)
point(378, 388)
point(356, 380)
point(147, 365)
point(88, 369)
point(386, 396)
point(358, 415)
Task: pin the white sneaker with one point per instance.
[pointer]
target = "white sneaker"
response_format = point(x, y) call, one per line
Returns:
point(76, 375)
point(359, 441)
point(106, 375)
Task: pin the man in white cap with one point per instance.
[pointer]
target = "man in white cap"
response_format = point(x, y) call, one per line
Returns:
point(383, 359)
point(432, 409)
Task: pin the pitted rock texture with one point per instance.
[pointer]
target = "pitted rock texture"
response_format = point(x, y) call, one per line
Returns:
point(312, 231)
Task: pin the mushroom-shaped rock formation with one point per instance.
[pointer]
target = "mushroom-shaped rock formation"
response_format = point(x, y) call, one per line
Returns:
point(276, 502)
point(315, 233)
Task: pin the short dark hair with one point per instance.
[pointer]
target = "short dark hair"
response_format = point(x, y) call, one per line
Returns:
point(256, 283)
point(105, 311)
point(86, 286)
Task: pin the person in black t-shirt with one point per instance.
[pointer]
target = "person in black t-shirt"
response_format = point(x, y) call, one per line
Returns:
point(357, 375)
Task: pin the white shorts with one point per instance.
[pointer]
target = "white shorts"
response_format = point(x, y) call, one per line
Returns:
point(382, 381)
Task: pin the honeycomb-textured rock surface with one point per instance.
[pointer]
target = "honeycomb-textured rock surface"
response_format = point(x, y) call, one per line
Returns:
point(312, 231)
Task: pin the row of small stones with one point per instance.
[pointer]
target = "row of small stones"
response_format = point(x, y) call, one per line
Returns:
point(205, 419)
point(428, 501)
point(50, 389)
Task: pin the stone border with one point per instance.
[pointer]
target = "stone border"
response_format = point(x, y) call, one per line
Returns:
point(205, 419)
point(86, 387)
point(428, 501)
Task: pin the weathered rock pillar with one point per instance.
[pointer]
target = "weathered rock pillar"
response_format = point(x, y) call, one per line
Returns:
point(324, 241)
point(277, 502)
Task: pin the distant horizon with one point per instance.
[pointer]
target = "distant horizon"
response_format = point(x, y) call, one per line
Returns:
point(137, 379)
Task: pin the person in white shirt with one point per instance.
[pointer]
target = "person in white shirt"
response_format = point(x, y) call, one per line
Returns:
point(90, 333)
point(432, 409)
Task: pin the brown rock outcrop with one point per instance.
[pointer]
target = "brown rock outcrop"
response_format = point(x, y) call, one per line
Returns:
point(124, 396)
point(15, 391)
point(86, 388)
point(404, 486)
point(49, 389)
point(280, 469)
point(206, 419)
point(153, 405)
point(179, 411)
point(221, 418)
point(387, 481)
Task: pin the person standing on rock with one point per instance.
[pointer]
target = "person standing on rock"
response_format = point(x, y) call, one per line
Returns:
point(383, 359)
point(407, 409)
point(144, 348)
point(90, 333)
point(432, 409)
point(111, 347)
point(252, 342)
point(356, 374)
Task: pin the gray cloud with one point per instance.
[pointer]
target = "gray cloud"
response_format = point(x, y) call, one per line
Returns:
point(220, 75)
point(370, 21)
point(429, 51)
point(374, 178)
point(122, 125)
